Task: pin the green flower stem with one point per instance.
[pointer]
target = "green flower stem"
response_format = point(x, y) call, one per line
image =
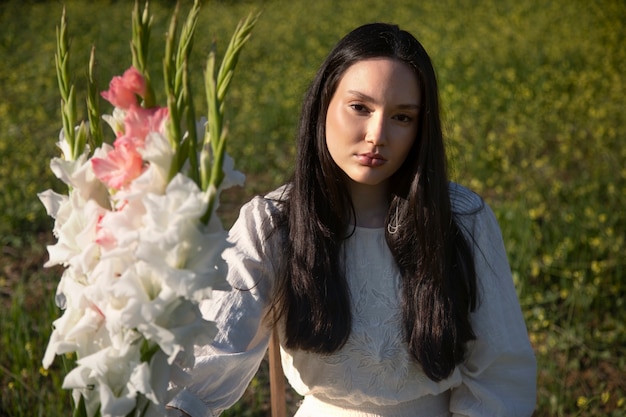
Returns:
point(229, 62)
point(93, 107)
point(75, 137)
point(214, 121)
point(81, 140)
point(183, 88)
point(192, 139)
point(169, 76)
point(68, 94)
point(216, 86)
point(141, 28)
point(185, 45)
point(178, 90)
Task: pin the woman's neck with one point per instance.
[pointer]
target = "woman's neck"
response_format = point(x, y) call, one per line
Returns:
point(371, 203)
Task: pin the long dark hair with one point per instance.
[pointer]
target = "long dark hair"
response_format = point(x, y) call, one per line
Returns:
point(311, 293)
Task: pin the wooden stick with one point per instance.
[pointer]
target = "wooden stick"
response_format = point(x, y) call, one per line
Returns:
point(277, 378)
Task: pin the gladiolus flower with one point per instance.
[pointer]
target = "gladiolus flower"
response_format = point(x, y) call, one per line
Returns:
point(104, 237)
point(139, 122)
point(122, 165)
point(123, 91)
point(138, 255)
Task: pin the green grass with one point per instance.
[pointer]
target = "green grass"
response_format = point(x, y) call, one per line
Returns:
point(533, 97)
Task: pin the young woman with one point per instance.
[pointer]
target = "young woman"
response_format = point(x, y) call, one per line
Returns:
point(389, 286)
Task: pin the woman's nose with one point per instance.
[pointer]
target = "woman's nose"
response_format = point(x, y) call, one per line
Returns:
point(376, 130)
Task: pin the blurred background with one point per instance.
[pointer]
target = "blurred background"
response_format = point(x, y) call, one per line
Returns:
point(533, 97)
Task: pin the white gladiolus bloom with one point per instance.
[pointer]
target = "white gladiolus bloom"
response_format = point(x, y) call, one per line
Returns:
point(232, 177)
point(103, 378)
point(52, 202)
point(64, 146)
point(115, 120)
point(75, 229)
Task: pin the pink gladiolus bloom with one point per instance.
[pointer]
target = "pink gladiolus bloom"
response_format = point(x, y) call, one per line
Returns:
point(139, 122)
point(123, 90)
point(104, 237)
point(122, 165)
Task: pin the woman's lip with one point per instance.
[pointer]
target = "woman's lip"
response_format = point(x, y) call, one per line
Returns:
point(371, 159)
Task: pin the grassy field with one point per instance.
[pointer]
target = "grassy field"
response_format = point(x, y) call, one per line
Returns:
point(534, 102)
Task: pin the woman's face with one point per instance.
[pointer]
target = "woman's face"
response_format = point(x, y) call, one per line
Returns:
point(372, 119)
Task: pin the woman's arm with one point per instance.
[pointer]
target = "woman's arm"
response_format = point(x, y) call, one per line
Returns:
point(499, 374)
point(224, 368)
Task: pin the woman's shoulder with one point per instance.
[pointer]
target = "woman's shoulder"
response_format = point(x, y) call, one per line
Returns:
point(473, 214)
point(464, 201)
point(278, 195)
point(262, 209)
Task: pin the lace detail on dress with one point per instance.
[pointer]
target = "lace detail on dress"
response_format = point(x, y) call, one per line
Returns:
point(374, 366)
point(376, 345)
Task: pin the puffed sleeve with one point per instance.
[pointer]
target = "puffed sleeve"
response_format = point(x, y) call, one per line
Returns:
point(499, 374)
point(224, 369)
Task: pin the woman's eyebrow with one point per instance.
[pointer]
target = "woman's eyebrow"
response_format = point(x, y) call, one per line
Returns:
point(365, 97)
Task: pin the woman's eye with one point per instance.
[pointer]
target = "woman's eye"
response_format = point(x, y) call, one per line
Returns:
point(404, 118)
point(358, 107)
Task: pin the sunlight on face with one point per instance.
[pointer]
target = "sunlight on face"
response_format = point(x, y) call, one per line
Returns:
point(372, 120)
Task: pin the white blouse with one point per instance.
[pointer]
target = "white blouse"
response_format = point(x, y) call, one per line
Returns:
point(373, 374)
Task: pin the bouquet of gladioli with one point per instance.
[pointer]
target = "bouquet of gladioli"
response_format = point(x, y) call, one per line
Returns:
point(137, 231)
